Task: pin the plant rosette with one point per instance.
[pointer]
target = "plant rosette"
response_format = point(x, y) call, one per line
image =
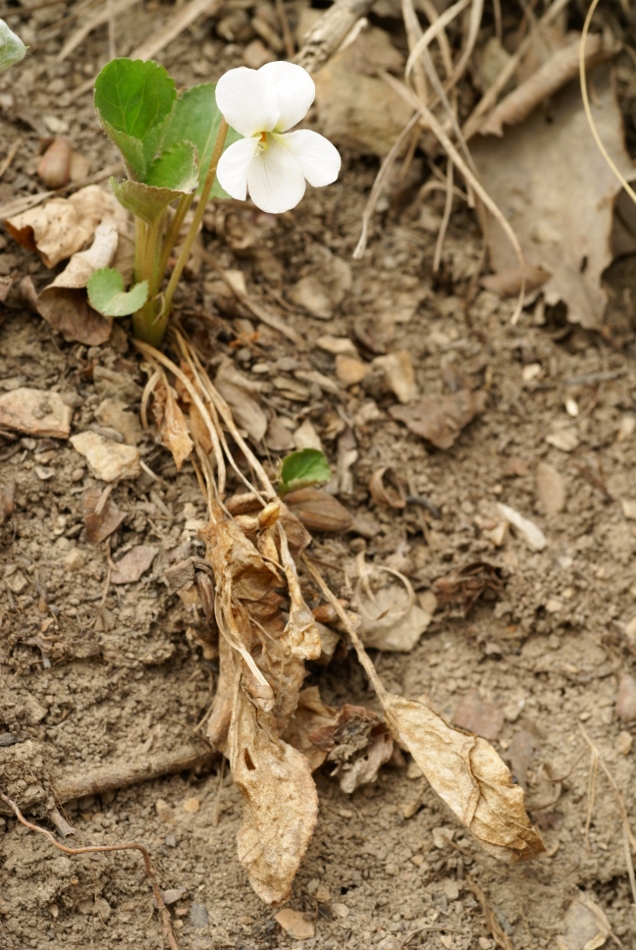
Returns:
point(12, 49)
point(215, 140)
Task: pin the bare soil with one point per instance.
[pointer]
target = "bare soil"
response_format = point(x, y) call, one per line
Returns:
point(94, 674)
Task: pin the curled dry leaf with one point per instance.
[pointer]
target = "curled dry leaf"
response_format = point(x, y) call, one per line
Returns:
point(280, 802)
point(440, 419)
point(469, 776)
point(382, 492)
point(172, 424)
point(101, 518)
point(64, 304)
point(60, 227)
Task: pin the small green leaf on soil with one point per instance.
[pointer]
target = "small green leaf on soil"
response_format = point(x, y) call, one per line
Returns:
point(303, 469)
point(107, 295)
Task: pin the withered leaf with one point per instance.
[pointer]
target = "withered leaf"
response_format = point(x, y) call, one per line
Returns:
point(99, 524)
point(469, 776)
point(440, 419)
point(174, 429)
point(280, 802)
point(133, 564)
point(242, 396)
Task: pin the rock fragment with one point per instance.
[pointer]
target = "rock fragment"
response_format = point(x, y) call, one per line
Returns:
point(35, 412)
point(108, 460)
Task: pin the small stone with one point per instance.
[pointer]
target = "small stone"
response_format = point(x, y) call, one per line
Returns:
point(74, 560)
point(36, 412)
point(626, 699)
point(624, 743)
point(391, 942)
point(309, 294)
point(629, 508)
point(553, 606)
point(199, 919)
point(112, 412)
point(550, 489)
point(256, 55)
point(164, 810)
point(630, 630)
point(340, 910)
point(529, 531)
point(191, 805)
point(417, 860)
point(398, 368)
point(306, 437)
point(322, 894)
point(337, 345)
point(295, 924)
point(349, 370)
point(86, 802)
point(566, 440)
point(107, 460)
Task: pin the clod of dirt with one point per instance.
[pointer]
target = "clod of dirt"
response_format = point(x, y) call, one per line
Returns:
point(110, 461)
point(35, 412)
point(550, 489)
point(113, 413)
point(478, 716)
point(626, 698)
point(295, 924)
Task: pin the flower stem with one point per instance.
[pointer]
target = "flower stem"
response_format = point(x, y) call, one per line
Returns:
point(181, 211)
point(186, 247)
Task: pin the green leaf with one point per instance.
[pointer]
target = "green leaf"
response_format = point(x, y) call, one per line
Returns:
point(196, 118)
point(12, 49)
point(175, 168)
point(106, 293)
point(134, 100)
point(303, 469)
point(146, 202)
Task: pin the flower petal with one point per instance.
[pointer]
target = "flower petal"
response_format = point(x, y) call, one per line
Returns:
point(232, 170)
point(274, 179)
point(319, 160)
point(246, 101)
point(292, 89)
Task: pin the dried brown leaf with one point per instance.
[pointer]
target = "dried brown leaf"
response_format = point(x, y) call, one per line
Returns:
point(63, 226)
point(242, 396)
point(133, 564)
point(440, 419)
point(469, 776)
point(560, 210)
point(173, 427)
point(382, 492)
point(280, 802)
point(311, 716)
point(99, 524)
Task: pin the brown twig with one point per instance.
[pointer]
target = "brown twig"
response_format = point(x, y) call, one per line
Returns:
point(91, 849)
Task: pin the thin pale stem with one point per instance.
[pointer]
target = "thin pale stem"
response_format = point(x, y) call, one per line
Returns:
point(181, 211)
point(184, 254)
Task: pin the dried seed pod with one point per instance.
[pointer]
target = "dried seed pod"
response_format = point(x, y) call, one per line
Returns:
point(318, 510)
point(54, 168)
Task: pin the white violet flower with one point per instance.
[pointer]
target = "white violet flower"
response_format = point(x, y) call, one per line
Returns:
point(271, 163)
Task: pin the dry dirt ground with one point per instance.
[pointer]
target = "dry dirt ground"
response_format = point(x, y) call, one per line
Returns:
point(94, 674)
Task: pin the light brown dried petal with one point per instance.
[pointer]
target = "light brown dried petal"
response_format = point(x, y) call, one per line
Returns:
point(382, 492)
point(280, 803)
point(469, 776)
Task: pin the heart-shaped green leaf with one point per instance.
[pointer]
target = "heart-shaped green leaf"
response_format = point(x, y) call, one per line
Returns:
point(134, 99)
point(303, 469)
point(12, 49)
point(196, 118)
point(107, 295)
point(175, 168)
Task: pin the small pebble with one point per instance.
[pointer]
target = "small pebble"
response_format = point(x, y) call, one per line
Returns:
point(626, 699)
point(199, 917)
point(191, 805)
point(624, 743)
